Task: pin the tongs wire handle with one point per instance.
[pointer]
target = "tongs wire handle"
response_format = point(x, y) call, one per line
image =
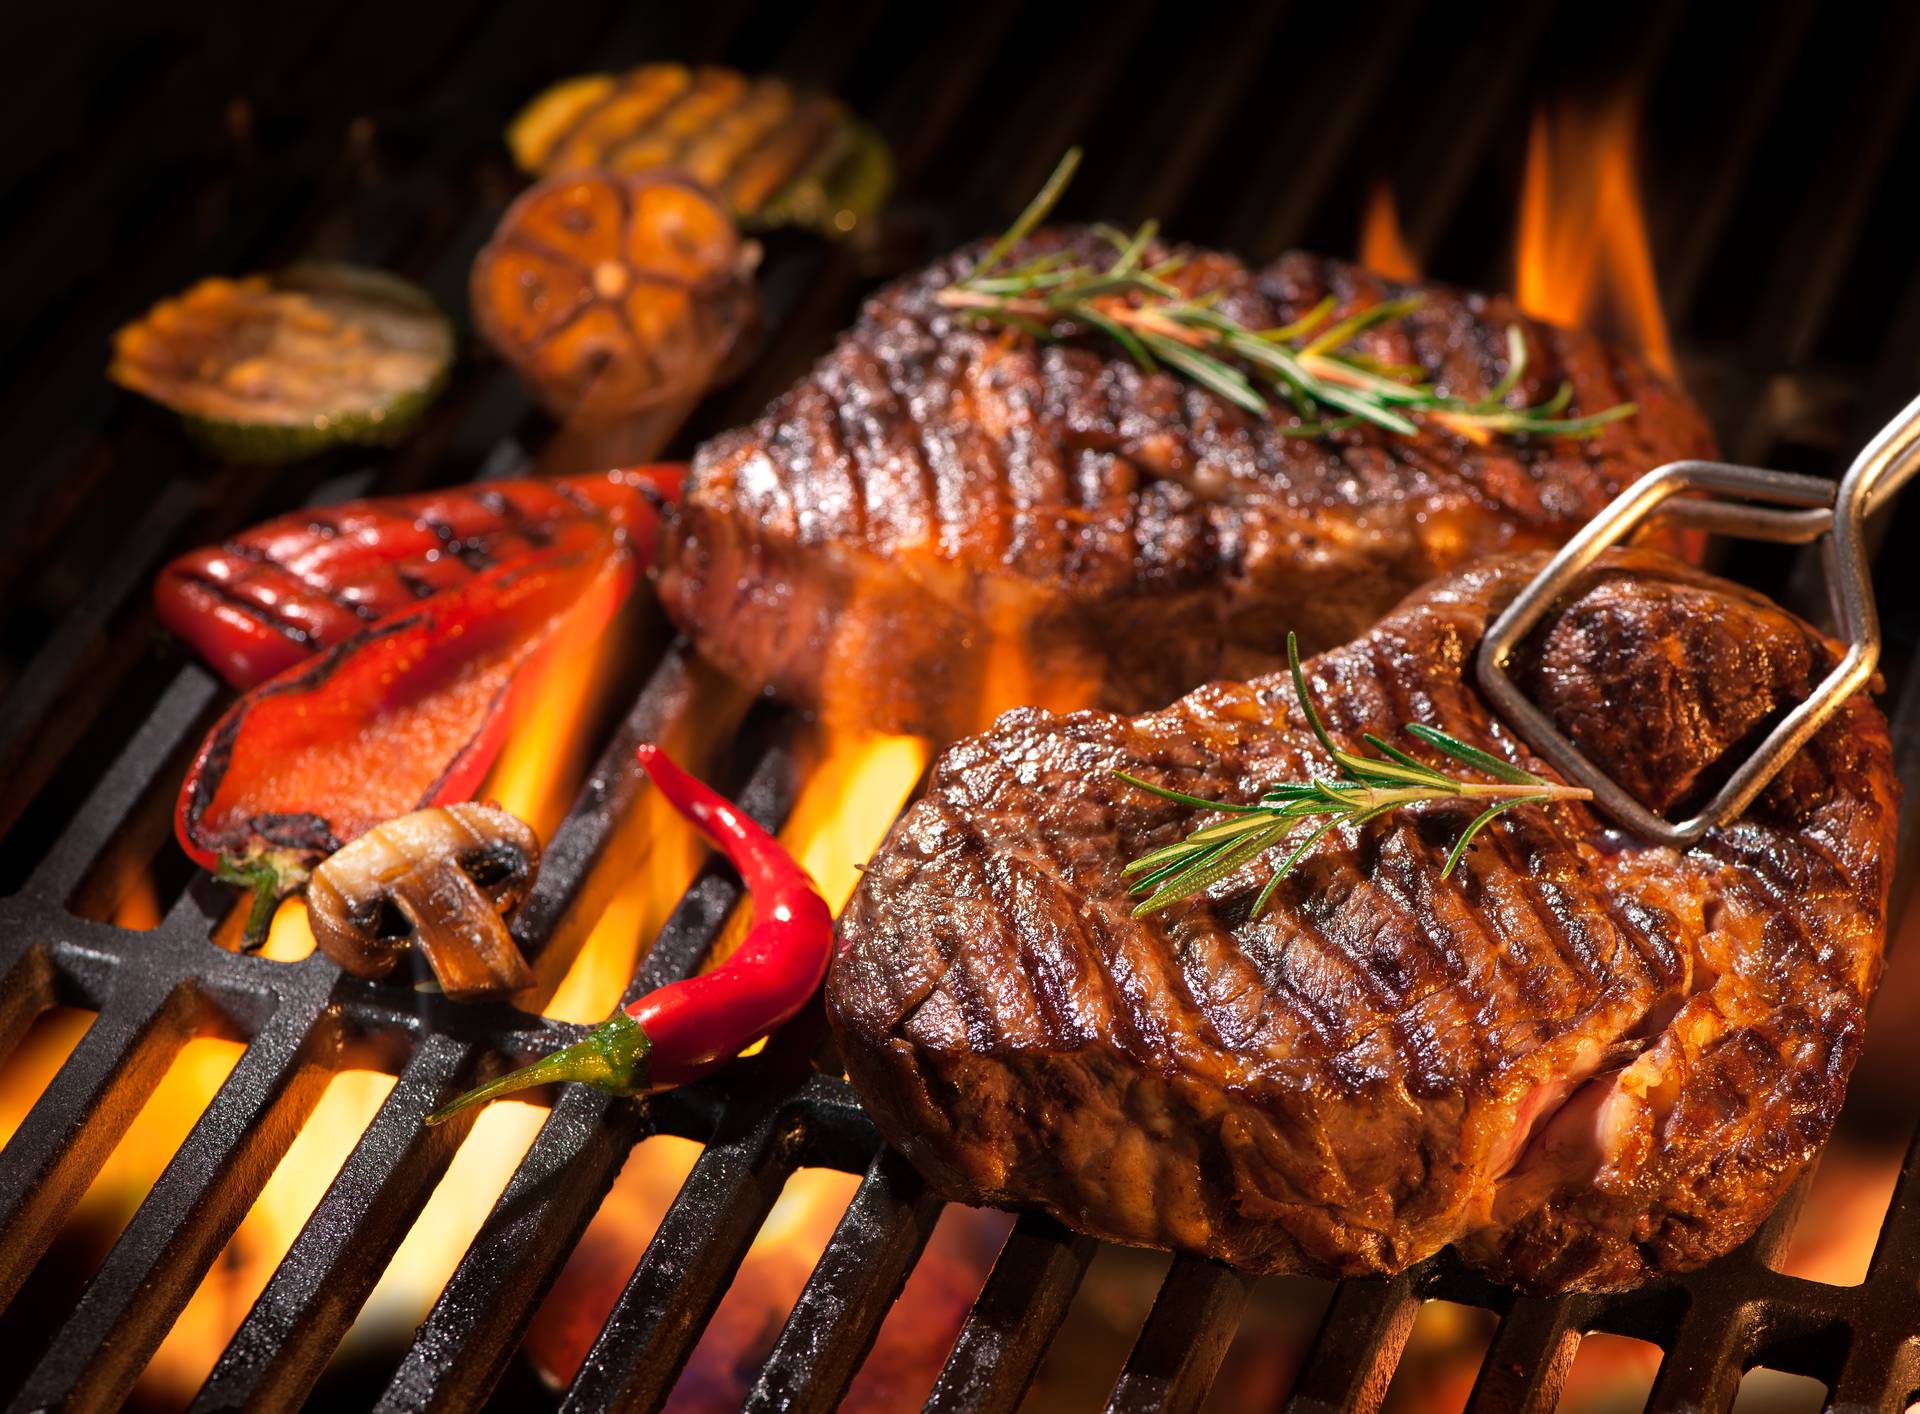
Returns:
point(1791, 509)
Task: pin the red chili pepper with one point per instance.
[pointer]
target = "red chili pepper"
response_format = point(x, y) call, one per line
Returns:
point(256, 605)
point(682, 1031)
point(408, 713)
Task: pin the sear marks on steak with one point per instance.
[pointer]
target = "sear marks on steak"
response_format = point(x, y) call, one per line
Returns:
point(943, 520)
point(1582, 1059)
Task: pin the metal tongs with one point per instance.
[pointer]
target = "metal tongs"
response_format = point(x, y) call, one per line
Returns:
point(1747, 503)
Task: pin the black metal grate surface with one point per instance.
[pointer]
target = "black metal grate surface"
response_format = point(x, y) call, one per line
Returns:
point(1774, 190)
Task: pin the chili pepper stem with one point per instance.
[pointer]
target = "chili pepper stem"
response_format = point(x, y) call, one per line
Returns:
point(270, 881)
point(612, 1057)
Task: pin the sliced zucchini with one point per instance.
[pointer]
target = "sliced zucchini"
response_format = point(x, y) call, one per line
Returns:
point(275, 367)
point(781, 155)
point(612, 293)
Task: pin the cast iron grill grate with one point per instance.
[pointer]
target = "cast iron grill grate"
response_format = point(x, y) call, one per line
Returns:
point(976, 119)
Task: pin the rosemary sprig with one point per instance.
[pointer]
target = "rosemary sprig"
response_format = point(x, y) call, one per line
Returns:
point(1366, 786)
point(1308, 363)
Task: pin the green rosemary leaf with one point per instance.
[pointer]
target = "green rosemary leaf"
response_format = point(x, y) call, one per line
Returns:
point(1313, 838)
point(1357, 403)
point(1358, 323)
point(1472, 755)
point(1131, 252)
point(1306, 697)
point(1031, 328)
point(1302, 326)
point(1037, 211)
point(1124, 337)
point(1516, 367)
point(1563, 426)
point(1099, 286)
point(1210, 373)
point(1181, 796)
point(1557, 404)
point(1021, 284)
point(1150, 883)
point(1352, 378)
point(1375, 771)
point(1308, 362)
point(1209, 871)
point(1480, 822)
point(1199, 839)
point(1264, 897)
point(1386, 748)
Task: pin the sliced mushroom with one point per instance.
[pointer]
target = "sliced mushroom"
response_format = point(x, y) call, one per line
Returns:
point(443, 880)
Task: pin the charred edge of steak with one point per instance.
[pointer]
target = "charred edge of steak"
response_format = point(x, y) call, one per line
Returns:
point(1583, 1060)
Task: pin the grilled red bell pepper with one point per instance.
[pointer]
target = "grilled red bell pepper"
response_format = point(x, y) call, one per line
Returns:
point(682, 1031)
point(258, 604)
point(408, 713)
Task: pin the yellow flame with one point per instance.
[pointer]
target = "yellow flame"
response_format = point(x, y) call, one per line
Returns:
point(1583, 257)
point(221, 1302)
point(139, 906)
point(545, 756)
point(1383, 248)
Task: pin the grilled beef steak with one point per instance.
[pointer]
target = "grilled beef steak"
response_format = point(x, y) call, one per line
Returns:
point(1582, 1058)
point(942, 520)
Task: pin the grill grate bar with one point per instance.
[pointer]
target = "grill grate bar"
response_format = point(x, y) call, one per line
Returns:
point(132, 774)
point(1304, 156)
point(689, 1262)
point(1157, 174)
point(314, 1295)
point(1185, 1338)
point(1527, 1363)
point(1352, 1358)
point(867, 1261)
point(65, 674)
point(1702, 1369)
point(75, 1124)
point(1813, 258)
point(1882, 1369)
point(476, 1323)
point(1711, 203)
point(1441, 157)
point(1015, 1318)
point(181, 1225)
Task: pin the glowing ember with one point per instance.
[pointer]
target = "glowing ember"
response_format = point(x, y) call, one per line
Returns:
point(1583, 257)
point(1383, 248)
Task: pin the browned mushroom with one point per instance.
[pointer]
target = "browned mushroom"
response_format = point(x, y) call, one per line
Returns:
point(442, 880)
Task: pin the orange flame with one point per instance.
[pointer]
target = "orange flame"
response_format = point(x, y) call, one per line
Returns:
point(1383, 248)
point(1583, 257)
point(546, 748)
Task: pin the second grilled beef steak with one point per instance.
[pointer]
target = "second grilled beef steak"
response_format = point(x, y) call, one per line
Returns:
point(942, 520)
point(1581, 1058)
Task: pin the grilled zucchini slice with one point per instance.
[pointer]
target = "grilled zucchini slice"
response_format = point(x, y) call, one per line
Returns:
point(274, 367)
point(779, 154)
